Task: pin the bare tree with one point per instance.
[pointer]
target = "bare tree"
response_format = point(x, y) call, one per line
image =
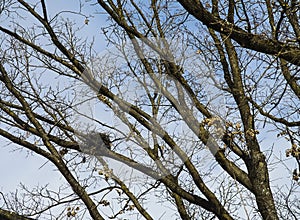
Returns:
point(175, 110)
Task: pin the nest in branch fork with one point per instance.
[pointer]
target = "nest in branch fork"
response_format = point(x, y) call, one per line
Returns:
point(97, 143)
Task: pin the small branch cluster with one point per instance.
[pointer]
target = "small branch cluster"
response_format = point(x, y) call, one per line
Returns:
point(104, 202)
point(294, 151)
point(216, 123)
point(72, 211)
point(106, 173)
point(296, 175)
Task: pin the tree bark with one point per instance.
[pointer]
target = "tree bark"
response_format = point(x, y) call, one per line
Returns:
point(8, 215)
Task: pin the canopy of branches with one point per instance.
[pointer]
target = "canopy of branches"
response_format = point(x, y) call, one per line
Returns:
point(151, 109)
